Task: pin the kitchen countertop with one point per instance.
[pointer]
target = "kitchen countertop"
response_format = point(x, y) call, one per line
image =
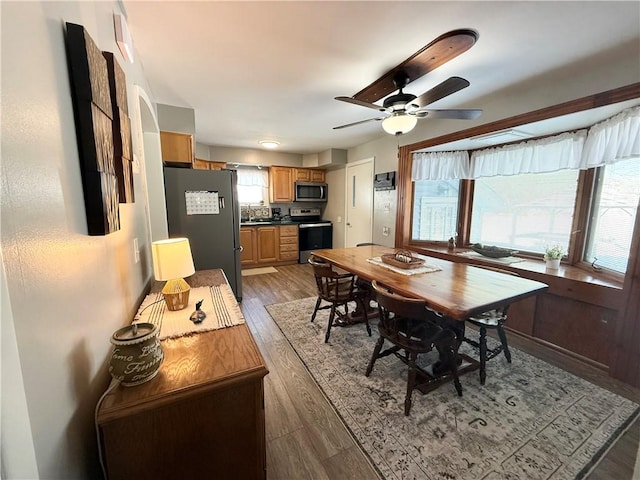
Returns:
point(254, 223)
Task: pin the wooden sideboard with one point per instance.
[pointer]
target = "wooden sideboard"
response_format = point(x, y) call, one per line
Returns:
point(202, 416)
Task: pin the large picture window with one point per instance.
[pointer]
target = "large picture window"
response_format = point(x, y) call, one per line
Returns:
point(524, 212)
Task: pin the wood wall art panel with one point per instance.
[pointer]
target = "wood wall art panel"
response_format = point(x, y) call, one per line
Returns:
point(121, 129)
point(93, 114)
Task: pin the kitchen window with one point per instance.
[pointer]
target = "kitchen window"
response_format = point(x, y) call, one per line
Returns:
point(253, 186)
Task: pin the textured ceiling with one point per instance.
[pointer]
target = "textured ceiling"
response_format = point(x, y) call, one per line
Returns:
point(271, 70)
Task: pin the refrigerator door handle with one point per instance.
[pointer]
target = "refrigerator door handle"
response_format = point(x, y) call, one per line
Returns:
point(221, 202)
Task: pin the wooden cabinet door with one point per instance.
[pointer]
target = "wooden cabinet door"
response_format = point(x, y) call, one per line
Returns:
point(177, 147)
point(281, 184)
point(267, 244)
point(249, 255)
point(200, 164)
point(317, 176)
point(302, 175)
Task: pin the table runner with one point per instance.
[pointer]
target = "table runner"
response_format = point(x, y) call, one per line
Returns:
point(219, 304)
point(413, 271)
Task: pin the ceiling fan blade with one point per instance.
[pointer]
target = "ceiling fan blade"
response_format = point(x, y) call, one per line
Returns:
point(361, 103)
point(444, 89)
point(377, 119)
point(456, 114)
point(444, 48)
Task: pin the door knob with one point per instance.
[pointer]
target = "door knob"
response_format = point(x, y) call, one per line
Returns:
point(348, 224)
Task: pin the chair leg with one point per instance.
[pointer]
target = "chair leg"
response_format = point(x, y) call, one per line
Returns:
point(483, 354)
point(411, 382)
point(374, 357)
point(366, 317)
point(330, 323)
point(503, 340)
point(315, 310)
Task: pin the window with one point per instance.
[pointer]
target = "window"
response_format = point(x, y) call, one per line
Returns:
point(613, 212)
point(435, 209)
point(253, 186)
point(524, 212)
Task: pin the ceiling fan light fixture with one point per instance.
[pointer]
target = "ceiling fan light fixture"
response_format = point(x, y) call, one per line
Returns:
point(399, 123)
point(271, 144)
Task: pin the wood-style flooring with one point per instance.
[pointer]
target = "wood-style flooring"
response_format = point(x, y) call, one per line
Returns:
point(305, 437)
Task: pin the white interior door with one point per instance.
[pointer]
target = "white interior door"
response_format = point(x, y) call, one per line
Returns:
point(359, 203)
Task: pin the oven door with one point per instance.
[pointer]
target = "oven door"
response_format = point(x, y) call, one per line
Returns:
point(314, 236)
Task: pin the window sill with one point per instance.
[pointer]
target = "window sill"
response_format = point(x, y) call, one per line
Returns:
point(567, 281)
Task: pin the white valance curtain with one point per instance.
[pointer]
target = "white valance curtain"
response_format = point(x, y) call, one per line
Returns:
point(440, 165)
point(549, 154)
point(253, 177)
point(615, 139)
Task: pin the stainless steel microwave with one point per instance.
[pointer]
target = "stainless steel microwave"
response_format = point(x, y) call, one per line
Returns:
point(310, 192)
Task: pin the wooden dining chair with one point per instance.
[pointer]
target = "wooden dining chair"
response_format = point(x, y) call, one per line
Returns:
point(491, 320)
point(412, 329)
point(338, 290)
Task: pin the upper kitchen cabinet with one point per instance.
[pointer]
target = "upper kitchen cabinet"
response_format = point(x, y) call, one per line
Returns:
point(200, 164)
point(281, 184)
point(177, 148)
point(282, 181)
point(308, 175)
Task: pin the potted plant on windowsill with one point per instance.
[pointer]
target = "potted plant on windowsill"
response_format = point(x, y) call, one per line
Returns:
point(552, 256)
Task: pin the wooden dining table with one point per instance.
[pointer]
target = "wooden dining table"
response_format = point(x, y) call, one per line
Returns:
point(456, 290)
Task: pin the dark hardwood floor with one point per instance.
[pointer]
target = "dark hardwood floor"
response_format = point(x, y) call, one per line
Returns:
point(307, 440)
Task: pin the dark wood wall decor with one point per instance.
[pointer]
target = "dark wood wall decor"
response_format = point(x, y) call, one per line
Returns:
point(93, 118)
point(121, 129)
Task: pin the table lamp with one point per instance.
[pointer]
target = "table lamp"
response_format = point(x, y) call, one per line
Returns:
point(172, 261)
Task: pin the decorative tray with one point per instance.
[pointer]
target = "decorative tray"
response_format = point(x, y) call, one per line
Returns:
point(493, 252)
point(402, 259)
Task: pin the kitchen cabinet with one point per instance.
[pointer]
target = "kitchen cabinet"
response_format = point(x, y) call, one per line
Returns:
point(267, 239)
point(249, 255)
point(177, 148)
point(282, 181)
point(269, 245)
point(308, 175)
point(202, 416)
point(281, 184)
point(200, 164)
point(288, 243)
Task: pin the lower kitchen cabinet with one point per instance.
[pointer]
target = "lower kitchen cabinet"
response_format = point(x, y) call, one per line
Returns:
point(289, 243)
point(249, 245)
point(269, 245)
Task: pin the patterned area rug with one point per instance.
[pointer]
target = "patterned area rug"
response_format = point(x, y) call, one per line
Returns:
point(529, 421)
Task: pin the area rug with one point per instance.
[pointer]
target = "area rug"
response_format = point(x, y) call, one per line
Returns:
point(529, 421)
point(258, 271)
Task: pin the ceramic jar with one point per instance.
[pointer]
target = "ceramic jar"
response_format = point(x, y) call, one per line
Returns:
point(137, 354)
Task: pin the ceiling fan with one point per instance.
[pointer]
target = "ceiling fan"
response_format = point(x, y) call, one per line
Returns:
point(404, 109)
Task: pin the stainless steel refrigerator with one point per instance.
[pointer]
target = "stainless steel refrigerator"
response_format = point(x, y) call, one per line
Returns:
point(202, 205)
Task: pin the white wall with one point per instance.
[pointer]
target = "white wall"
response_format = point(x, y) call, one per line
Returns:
point(67, 291)
point(254, 156)
point(334, 209)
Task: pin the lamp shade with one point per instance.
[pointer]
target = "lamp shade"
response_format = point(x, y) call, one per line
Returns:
point(399, 123)
point(172, 259)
